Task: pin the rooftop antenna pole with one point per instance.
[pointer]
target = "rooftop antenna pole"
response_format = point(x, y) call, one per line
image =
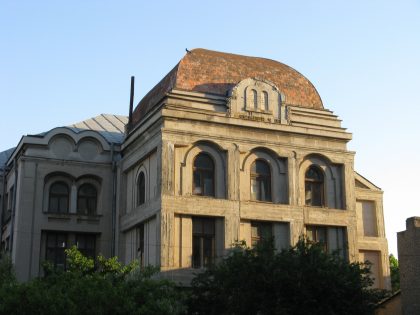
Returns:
point(130, 113)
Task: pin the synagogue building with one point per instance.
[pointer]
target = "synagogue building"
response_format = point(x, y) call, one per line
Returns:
point(224, 148)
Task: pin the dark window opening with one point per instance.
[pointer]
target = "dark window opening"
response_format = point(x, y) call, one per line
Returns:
point(332, 239)
point(314, 187)
point(86, 244)
point(55, 249)
point(141, 189)
point(59, 198)
point(260, 181)
point(203, 251)
point(140, 244)
point(86, 199)
point(261, 231)
point(203, 175)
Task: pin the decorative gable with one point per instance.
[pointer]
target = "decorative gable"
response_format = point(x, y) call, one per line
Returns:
point(259, 100)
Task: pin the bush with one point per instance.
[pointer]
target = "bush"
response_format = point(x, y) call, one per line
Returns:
point(104, 287)
point(301, 280)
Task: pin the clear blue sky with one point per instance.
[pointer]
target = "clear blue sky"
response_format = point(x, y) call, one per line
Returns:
point(65, 61)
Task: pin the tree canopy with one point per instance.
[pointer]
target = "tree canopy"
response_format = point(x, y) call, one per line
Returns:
point(301, 280)
point(395, 272)
point(104, 286)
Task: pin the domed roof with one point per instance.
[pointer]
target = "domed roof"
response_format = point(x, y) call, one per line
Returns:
point(215, 72)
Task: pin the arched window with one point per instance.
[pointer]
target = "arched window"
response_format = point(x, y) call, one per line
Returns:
point(86, 199)
point(265, 100)
point(141, 189)
point(59, 198)
point(203, 175)
point(260, 181)
point(314, 186)
point(255, 98)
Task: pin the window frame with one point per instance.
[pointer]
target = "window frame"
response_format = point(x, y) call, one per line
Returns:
point(315, 185)
point(56, 250)
point(88, 199)
point(141, 188)
point(261, 178)
point(201, 171)
point(328, 232)
point(260, 226)
point(140, 239)
point(87, 252)
point(203, 238)
point(59, 196)
point(265, 101)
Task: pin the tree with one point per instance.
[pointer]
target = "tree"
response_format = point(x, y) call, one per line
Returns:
point(301, 280)
point(395, 273)
point(101, 286)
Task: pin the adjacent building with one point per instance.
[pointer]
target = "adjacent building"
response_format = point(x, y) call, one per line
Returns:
point(409, 263)
point(223, 148)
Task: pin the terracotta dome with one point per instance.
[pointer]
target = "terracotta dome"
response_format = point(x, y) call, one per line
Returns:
point(215, 72)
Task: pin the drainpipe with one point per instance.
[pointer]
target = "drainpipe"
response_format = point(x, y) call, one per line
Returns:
point(13, 205)
point(114, 199)
point(33, 221)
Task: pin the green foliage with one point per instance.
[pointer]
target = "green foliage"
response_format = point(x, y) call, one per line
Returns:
point(395, 273)
point(301, 280)
point(78, 263)
point(7, 275)
point(104, 286)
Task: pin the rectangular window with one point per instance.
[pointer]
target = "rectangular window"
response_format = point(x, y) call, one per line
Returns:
point(374, 257)
point(7, 211)
point(203, 251)
point(86, 244)
point(332, 239)
point(261, 231)
point(140, 244)
point(58, 242)
point(369, 218)
point(56, 245)
point(10, 199)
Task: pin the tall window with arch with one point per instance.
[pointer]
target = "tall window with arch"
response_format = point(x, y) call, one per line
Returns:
point(255, 98)
point(58, 201)
point(314, 186)
point(86, 199)
point(203, 175)
point(260, 181)
point(141, 189)
point(265, 100)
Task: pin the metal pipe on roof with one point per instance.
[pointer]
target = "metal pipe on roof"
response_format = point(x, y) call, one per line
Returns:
point(130, 112)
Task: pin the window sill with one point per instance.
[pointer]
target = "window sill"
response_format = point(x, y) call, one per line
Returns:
point(89, 219)
point(69, 216)
point(324, 208)
point(203, 196)
point(259, 111)
point(261, 201)
point(58, 217)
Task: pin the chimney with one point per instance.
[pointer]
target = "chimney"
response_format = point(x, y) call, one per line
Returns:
point(130, 112)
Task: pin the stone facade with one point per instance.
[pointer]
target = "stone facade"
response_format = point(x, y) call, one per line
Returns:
point(224, 148)
point(409, 263)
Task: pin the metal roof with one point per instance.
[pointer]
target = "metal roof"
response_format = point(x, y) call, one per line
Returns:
point(4, 156)
point(111, 127)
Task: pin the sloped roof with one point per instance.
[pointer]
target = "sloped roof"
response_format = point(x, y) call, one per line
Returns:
point(111, 127)
point(4, 156)
point(215, 72)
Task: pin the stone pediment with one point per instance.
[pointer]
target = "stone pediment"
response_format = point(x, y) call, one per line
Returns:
point(259, 100)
